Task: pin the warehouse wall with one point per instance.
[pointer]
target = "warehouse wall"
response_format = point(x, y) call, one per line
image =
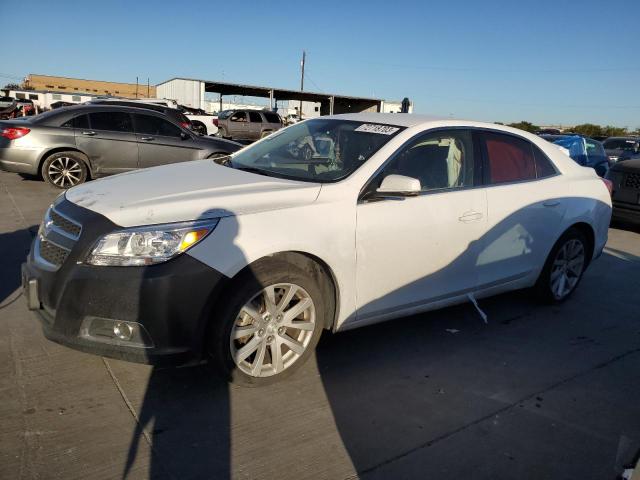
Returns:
point(186, 92)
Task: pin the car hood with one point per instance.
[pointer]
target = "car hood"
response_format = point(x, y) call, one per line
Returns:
point(188, 191)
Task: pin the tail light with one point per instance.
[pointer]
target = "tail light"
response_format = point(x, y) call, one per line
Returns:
point(13, 133)
point(185, 124)
point(215, 121)
point(609, 184)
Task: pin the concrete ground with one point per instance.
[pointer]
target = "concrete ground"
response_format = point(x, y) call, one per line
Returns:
point(541, 392)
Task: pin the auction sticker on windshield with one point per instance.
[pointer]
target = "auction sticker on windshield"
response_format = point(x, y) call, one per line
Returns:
point(373, 128)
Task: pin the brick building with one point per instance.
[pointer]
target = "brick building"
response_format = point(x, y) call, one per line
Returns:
point(95, 87)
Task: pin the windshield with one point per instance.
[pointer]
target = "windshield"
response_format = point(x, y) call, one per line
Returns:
point(225, 113)
point(620, 144)
point(319, 150)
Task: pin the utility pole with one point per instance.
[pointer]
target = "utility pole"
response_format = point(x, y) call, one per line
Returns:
point(136, 87)
point(304, 56)
point(148, 89)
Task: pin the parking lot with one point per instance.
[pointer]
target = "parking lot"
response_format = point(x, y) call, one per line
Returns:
point(538, 392)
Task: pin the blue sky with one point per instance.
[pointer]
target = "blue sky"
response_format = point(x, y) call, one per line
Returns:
point(548, 62)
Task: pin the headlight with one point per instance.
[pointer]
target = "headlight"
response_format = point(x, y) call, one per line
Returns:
point(148, 245)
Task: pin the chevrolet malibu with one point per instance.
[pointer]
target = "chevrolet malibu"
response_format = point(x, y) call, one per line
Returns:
point(250, 257)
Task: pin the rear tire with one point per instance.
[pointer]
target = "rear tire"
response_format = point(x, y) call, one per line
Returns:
point(564, 267)
point(222, 133)
point(250, 327)
point(65, 169)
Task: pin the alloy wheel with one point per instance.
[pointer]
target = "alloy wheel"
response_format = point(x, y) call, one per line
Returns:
point(567, 268)
point(273, 330)
point(65, 172)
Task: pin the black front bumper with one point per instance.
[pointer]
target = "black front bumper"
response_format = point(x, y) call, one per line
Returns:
point(173, 300)
point(626, 212)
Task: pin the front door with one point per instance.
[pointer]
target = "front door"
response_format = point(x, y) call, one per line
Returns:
point(239, 125)
point(160, 142)
point(416, 250)
point(109, 141)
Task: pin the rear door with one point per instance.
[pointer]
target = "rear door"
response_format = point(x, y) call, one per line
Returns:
point(274, 122)
point(255, 125)
point(109, 141)
point(526, 201)
point(160, 142)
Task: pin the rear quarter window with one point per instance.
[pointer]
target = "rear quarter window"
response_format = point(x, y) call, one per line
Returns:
point(272, 117)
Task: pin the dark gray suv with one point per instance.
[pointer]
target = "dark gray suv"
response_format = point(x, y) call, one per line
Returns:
point(70, 145)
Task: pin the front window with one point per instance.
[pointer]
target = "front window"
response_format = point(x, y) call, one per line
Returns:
point(321, 150)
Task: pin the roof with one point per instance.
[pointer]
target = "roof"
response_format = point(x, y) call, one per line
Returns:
point(398, 119)
point(226, 88)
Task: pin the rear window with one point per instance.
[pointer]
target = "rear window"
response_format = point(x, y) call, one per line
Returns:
point(510, 159)
point(148, 125)
point(255, 117)
point(272, 117)
point(81, 122)
point(620, 144)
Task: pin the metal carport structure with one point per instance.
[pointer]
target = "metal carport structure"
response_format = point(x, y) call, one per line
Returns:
point(329, 103)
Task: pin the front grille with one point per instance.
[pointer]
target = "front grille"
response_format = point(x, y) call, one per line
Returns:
point(52, 253)
point(65, 224)
point(56, 238)
point(632, 180)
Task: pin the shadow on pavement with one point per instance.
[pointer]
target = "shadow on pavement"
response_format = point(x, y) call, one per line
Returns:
point(15, 249)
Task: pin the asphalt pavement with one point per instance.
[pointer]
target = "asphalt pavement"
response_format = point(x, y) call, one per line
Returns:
point(540, 392)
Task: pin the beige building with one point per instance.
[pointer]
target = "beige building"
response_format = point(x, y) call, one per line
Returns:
point(95, 87)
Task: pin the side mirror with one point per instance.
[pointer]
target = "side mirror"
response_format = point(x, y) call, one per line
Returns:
point(184, 136)
point(399, 185)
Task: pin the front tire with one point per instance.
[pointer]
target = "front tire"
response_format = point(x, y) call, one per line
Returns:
point(564, 267)
point(65, 169)
point(270, 325)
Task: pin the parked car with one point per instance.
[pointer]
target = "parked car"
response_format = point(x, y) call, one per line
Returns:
point(8, 107)
point(615, 147)
point(70, 145)
point(61, 104)
point(26, 106)
point(247, 124)
point(173, 113)
point(199, 121)
point(251, 257)
point(625, 176)
point(584, 150)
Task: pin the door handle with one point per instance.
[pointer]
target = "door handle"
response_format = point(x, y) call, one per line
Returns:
point(551, 203)
point(470, 216)
point(146, 139)
point(89, 134)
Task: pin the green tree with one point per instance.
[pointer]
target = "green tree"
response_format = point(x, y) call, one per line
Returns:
point(12, 86)
point(588, 129)
point(526, 126)
point(610, 131)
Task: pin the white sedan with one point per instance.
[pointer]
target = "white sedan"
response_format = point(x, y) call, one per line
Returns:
point(249, 259)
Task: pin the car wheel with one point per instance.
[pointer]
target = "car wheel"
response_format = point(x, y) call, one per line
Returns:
point(271, 324)
point(65, 169)
point(265, 134)
point(222, 133)
point(564, 267)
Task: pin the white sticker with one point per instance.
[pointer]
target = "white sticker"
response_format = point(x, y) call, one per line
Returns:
point(381, 129)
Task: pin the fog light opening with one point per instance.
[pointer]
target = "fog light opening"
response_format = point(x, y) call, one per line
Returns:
point(123, 331)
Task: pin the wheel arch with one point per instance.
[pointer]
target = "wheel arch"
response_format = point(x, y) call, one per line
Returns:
point(55, 150)
point(588, 231)
point(316, 267)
